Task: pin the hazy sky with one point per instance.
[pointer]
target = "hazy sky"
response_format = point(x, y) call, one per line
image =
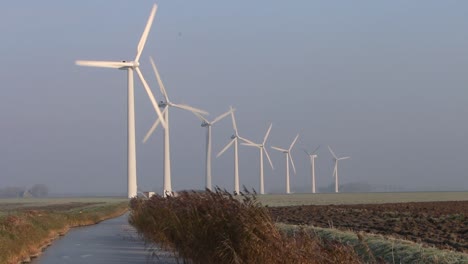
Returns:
point(383, 82)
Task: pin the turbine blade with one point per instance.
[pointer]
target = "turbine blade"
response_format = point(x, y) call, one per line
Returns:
point(221, 117)
point(158, 78)
point(189, 108)
point(294, 142)
point(103, 64)
point(268, 157)
point(245, 140)
point(155, 125)
point(225, 148)
point(144, 36)
point(202, 118)
point(279, 149)
point(333, 153)
point(251, 145)
point(306, 152)
point(343, 158)
point(151, 97)
point(334, 170)
point(313, 152)
point(267, 134)
point(233, 117)
point(292, 163)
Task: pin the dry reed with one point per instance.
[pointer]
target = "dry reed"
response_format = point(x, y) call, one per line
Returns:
point(217, 227)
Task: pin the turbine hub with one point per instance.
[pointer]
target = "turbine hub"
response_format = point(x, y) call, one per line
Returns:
point(134, 63)
point(131, 64)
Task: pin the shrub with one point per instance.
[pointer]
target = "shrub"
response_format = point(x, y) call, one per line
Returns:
point(217, 227)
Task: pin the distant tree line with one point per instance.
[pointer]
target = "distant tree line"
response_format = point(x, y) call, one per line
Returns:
point(37, 190)
point(348, 187)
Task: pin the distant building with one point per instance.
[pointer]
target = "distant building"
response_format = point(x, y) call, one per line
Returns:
point(26, 194)
point(148, 194)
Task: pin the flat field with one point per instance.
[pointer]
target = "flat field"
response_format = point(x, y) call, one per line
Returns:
point(438, 219)
point(358, 198)
point(12, 205)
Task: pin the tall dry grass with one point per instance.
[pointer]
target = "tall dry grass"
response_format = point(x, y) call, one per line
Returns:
point(217, 227)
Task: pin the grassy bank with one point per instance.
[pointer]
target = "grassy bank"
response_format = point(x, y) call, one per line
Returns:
point(26, 226)
point(215, 227)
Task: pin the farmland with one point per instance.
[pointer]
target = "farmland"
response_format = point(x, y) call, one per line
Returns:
point(16, 205)
point(431, 219)
point(439, 224)
point(359, 198)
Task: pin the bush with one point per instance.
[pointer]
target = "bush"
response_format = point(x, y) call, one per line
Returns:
point(217, 227)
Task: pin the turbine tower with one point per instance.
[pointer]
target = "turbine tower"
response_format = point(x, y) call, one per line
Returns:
point(288, 159)
point(312, 157)
point(131, 66)
point(208, 126)
point(335, 170)
point(262, 149)
point(167, 148)
point(234, 140)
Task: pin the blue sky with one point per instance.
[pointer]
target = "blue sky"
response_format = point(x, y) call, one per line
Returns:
point(382, 82)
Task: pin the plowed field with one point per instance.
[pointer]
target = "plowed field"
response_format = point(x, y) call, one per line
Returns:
point(440, 224)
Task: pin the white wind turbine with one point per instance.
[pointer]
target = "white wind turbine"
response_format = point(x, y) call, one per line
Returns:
point(335, 170)
point(262, 149)
point(288, 159)
point(131, 66)
point(208, 126)
point(166, 105)
point(234, 140)
point(312, 157)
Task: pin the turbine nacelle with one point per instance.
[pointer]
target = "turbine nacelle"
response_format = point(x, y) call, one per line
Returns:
point(205, 124)
point(162, 104)
point(130, 64)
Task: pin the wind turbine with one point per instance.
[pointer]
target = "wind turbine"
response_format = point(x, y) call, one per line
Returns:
point(208, 126)
point(335, 171)
point(288, 159)
point(166, 105)
point(262, 149)
point(131, 66)
point(234, 140)
point(312, 157)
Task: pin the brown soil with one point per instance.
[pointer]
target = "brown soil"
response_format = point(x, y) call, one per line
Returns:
point(440, 224)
